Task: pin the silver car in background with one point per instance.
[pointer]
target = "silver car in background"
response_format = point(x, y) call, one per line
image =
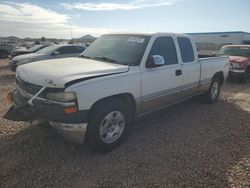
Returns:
point(23, 50)
point(50, 52)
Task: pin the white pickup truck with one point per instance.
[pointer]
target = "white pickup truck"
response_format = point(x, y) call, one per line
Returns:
point(96, 96)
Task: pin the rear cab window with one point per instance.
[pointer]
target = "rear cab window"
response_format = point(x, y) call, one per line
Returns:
point(186, 49)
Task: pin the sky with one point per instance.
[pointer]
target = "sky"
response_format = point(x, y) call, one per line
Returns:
point(75, 18)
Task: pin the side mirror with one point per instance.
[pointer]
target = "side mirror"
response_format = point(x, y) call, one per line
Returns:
point(155, 61)
point(55, 53)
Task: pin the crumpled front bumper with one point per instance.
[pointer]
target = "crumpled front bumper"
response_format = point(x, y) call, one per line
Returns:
point(21, 110)
point(24, 112)
point(72, 126)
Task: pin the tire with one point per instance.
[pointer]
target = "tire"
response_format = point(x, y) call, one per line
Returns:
point(3, 54)
point(108, 125)
point(243, 79)
point(211, 96)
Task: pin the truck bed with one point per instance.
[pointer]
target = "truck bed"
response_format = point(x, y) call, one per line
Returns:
point(210, 65)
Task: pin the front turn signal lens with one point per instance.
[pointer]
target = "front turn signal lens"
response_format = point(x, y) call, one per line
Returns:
point(70, 110)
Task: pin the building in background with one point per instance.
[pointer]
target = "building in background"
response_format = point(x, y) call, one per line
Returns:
point(214, 40)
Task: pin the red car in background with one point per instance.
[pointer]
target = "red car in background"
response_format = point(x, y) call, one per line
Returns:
point(239, 56)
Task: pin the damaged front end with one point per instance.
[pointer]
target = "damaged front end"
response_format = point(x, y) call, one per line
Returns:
point(24, 112)
point(22, 108)
point(30, 103)
point(64, 116)
point(29, 109)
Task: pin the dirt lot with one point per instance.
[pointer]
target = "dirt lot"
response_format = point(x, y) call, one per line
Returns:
point(190, 145)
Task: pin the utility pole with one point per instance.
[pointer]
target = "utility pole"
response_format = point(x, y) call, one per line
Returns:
point(70, 29)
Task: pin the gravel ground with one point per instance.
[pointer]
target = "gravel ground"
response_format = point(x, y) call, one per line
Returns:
point(189, 145)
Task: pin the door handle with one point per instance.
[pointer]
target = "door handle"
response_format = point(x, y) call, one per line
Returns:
point(178, 72)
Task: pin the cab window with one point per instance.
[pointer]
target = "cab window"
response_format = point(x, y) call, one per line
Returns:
point(186, 49)
point(165, 47)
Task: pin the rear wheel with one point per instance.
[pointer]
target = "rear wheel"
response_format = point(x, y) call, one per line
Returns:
point(108, 125)
point(213, 92)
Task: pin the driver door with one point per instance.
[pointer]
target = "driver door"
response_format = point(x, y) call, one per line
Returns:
point(161, 86)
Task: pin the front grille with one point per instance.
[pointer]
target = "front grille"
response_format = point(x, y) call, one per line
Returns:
point(28, 87)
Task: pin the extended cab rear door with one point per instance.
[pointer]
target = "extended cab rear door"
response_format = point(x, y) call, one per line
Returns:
point(161, 86)
point(190, 66)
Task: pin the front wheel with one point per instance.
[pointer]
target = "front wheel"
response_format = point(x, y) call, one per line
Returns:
point(108, 125)
point(213, 92)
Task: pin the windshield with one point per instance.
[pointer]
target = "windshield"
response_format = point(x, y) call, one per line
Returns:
point(120, 49)
point(47, 50)
point(35, 48)
point(235, 51)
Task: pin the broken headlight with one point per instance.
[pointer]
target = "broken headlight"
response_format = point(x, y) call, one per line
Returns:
point(61, 96)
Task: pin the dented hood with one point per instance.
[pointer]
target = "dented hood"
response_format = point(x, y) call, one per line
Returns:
point(57, 72)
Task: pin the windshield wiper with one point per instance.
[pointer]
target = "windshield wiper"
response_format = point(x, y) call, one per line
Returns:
point(106, 59)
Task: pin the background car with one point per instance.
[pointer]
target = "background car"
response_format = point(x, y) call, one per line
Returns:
point(239, 56)
point(50, 52)
point(5, 50)
point(23, 50)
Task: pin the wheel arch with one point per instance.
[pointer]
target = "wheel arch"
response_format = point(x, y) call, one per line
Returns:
point(127, 98)
point(219, 75)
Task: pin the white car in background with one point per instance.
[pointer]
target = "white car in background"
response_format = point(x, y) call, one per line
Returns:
point(50, 52)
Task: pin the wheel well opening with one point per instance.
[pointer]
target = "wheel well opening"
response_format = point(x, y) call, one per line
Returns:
point(127, 98)
point(220, 76)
